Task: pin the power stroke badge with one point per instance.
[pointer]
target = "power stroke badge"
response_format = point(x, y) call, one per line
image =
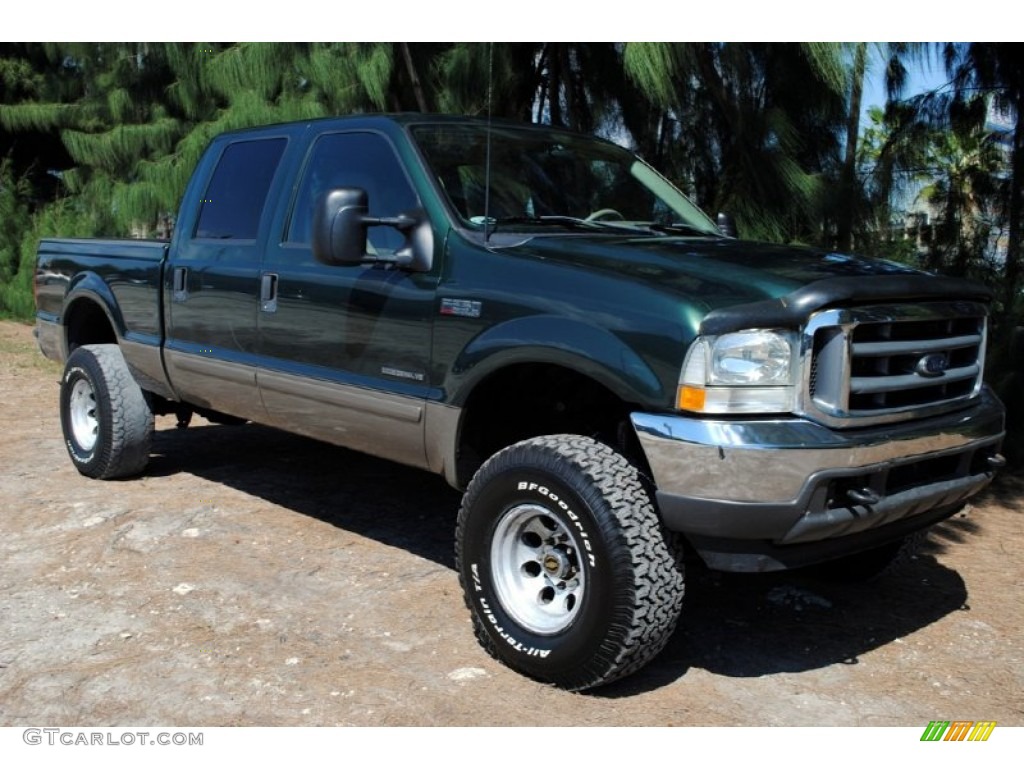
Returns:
point(460, 307)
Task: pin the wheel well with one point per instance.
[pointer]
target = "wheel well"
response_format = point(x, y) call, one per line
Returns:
point(87, 323)
point(534, 399)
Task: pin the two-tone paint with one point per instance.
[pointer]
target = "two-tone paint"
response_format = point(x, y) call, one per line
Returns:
point(384, 360)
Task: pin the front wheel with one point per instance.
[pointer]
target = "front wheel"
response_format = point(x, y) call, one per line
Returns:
point(566, 569)
point(106, 421)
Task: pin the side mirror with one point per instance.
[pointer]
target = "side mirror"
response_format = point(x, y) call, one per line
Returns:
point(340, 221)
point(339, 229)
point(726, 225)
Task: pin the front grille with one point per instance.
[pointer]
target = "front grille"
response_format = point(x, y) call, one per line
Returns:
point(878, 364)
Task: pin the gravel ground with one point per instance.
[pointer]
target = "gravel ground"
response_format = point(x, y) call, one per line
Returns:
point(251, 577)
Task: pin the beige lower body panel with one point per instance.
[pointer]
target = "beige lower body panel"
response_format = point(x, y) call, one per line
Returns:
point(216, 384)
point(382, 424)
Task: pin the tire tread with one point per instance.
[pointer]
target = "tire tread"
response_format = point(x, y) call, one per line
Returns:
point(652, 554)
point(126, 452)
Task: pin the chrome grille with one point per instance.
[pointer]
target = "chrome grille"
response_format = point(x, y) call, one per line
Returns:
point(869, 365)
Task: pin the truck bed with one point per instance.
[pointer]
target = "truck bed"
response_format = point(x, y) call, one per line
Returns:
point(125, 272)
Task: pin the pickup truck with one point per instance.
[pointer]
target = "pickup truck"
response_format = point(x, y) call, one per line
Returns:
point(546, 321)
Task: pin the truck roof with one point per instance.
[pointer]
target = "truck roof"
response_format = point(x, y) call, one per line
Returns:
point(382, 119)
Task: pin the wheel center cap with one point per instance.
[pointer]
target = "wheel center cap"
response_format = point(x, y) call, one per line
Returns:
point(556, 564)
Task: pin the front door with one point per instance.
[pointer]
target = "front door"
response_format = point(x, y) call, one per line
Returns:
point(345, 350)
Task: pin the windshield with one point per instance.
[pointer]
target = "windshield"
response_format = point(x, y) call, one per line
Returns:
point(543, 177)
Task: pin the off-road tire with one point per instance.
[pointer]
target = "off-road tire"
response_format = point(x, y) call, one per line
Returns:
point(595, 600)
point(106, 421)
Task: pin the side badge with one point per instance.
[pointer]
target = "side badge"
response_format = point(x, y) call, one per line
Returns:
point(400, 373)
point(460, 307)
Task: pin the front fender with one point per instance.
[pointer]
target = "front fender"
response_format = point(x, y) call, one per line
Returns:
point(586, 349)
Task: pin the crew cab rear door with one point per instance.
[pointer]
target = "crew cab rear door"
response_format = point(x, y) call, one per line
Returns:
point(213, 280)
point(345, 350)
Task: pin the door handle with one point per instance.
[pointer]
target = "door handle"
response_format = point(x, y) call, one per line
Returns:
point(268, 292)
point(179, 284)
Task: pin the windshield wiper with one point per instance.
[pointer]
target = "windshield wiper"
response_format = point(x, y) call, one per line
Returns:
point(574, 222)
point(559, 221)
point(678, 227)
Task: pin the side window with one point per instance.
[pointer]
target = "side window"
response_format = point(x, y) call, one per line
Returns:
point(234, 199)
point(363, 160)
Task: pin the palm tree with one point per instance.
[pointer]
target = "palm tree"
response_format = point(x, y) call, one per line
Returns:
point(854, 206)
point(964, 166)
point(995, 72)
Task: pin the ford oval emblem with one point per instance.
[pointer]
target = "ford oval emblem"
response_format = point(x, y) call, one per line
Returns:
point(932, 366)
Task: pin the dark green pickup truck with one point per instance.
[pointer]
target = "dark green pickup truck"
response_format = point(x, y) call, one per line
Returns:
point(546, 321)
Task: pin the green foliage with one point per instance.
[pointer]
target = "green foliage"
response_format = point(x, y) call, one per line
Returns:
point(655, 67)
point(14, 219)
point(370, 66)
point(759, 124)
point(26, 116)
point(19, 238)
point(120, 148)
point(17, 76)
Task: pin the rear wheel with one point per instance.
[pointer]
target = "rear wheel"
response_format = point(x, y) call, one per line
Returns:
point(106, 422)
point(566, 569)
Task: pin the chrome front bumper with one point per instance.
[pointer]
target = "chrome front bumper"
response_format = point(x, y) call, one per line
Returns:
point(781, 492)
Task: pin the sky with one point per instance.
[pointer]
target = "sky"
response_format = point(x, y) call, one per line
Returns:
point(922, 77)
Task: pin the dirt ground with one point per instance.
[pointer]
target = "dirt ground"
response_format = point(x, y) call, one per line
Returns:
point(255, 578)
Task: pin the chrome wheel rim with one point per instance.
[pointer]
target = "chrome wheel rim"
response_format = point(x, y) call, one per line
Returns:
point(85, 427)
point(536, 570)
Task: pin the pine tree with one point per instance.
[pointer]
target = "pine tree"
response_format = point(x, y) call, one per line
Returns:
point(757, 126)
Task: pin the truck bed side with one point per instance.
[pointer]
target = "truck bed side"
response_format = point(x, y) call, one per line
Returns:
point(95, 291)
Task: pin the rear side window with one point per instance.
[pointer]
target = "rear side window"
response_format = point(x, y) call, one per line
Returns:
point(234, 199)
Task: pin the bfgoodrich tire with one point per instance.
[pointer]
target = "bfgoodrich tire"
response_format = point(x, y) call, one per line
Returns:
point(106, 422)
point(565, 567)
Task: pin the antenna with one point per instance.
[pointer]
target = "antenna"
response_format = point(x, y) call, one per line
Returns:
point(487, 159)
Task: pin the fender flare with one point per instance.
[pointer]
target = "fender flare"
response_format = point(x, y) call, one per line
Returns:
point(91, 288)
point(587, 349)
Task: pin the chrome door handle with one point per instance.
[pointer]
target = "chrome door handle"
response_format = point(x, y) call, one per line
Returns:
point(179, 284)
point(268, 292)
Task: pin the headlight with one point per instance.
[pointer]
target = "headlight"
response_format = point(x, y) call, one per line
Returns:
point(744, 372)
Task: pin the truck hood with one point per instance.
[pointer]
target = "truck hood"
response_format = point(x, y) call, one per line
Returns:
point(721, 271)
point(738, 282)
